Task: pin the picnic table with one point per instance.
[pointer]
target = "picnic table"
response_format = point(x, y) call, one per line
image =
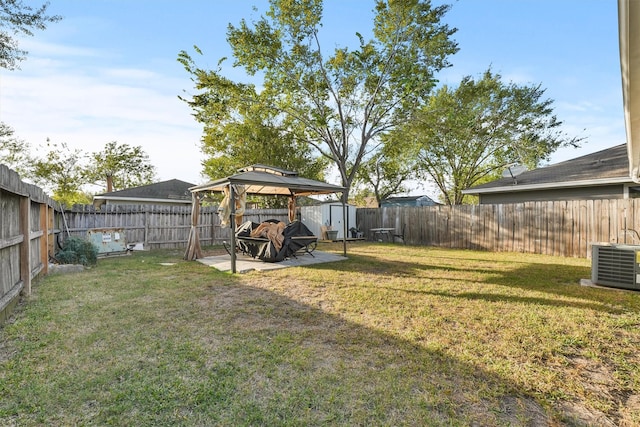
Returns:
point(379, 233)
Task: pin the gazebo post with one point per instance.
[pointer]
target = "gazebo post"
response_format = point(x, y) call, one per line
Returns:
point(232, 222)
point(344, 225)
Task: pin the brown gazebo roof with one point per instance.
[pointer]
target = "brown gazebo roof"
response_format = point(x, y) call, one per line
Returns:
point(268, 180)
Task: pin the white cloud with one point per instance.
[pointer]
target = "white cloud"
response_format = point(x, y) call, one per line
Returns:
point(65, 102)
point(47, 49)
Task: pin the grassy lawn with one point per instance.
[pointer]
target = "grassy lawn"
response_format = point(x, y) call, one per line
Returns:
point(396, 335)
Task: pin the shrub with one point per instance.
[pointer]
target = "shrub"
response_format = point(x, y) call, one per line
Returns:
point(78, 251)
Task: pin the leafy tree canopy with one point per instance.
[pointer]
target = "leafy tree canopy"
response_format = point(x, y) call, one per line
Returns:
point(469, 134)
point(62, 173)
point(340, 102)
point(386, 173)
point(66, 173)
point(16, 18)
point(124, 165)
point(14, 152)
point(239, 134)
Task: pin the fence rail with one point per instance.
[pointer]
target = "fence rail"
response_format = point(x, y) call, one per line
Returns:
point(562, 228)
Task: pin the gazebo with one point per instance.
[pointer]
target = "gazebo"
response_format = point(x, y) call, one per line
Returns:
point(255, 179)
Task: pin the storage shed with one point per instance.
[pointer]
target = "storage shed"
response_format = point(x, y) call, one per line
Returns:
point(328, 214)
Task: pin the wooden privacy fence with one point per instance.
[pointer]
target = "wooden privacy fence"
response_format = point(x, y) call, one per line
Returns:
point(158, 226)
point(27, 221)
point(564, 228)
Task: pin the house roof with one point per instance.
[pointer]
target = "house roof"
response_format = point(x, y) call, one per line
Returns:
point(610, 166)
point(172, 190)
point(403, 200)
point(268, 180)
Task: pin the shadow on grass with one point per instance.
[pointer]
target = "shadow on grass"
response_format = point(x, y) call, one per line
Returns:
point(297, 364)
point(557, 280)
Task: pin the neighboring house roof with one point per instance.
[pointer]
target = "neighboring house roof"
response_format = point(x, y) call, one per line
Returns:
point(610, 166)
point(409, 200)
point(173, 190)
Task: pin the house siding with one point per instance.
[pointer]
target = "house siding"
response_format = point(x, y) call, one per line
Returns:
point(582, 193)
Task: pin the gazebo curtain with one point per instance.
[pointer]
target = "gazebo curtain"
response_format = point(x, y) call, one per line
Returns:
point(194, 250)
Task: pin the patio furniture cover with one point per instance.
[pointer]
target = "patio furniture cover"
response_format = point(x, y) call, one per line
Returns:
point(266, 248)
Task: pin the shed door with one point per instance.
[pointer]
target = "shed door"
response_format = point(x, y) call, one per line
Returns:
point(336, 218)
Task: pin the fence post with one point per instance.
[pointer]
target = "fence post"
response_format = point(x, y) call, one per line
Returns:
point(51, 232)
point(25, 251)
point(44, 238)
point(146, 227)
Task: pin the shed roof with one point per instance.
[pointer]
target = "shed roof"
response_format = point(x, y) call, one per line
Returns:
point(268, 180)
point(609, 166)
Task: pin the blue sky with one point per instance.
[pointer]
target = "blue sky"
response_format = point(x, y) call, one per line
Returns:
point(108, 70)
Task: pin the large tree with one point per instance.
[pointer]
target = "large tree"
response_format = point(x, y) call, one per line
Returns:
point(471, 133)
point(340, 102)
point(238, 133)
point(120, 166)
point(16, 18)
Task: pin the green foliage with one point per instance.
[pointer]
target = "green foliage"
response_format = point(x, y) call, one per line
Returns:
point(239, 133)
point(78, 251)
point(339, 103)
point(65, 172)
point(126, 165)
point(470, 134)
point(386, 173)
point(62, 172)
point(17, 18)
point(14, 152)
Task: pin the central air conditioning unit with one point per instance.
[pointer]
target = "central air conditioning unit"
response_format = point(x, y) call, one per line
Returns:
point(617, 266)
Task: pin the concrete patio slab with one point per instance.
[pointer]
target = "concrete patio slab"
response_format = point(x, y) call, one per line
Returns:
point(245, 264)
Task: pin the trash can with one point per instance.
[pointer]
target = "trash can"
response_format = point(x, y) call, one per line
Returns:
point(332, 234)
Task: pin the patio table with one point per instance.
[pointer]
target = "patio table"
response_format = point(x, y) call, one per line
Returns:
point(379, 233)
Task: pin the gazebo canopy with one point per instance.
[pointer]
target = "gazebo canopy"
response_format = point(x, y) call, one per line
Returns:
point(268, 180)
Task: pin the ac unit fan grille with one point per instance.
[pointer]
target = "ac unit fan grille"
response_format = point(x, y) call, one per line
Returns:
point(616, 267)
